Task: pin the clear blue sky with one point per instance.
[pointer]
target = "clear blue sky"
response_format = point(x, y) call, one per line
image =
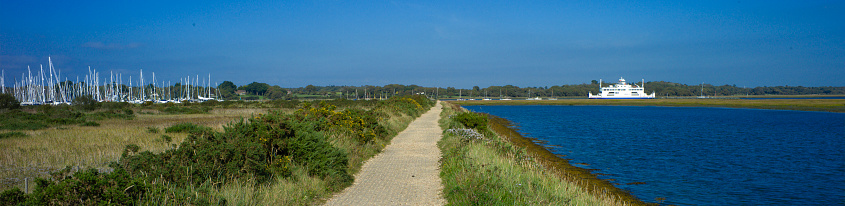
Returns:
point(433, 43)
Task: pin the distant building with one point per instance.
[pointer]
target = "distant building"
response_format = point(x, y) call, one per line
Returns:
point(240, 92)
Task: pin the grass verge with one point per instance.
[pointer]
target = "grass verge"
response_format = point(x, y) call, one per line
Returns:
point(486, 163)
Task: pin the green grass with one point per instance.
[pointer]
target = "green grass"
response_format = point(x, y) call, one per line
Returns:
point(825, 105)
point(492, 170)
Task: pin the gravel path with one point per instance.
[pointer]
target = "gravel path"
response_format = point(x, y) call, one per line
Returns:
point(405, 173)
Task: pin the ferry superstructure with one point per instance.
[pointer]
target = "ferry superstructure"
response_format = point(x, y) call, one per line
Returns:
point(622, 90)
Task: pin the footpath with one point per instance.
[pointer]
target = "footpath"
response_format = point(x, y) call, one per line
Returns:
point(406, 172)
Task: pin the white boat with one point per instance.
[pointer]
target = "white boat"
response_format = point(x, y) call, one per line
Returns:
point(622, 91)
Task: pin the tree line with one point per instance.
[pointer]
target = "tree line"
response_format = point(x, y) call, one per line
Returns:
point(661, 88)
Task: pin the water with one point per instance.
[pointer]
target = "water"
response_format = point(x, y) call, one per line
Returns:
point(698, 156)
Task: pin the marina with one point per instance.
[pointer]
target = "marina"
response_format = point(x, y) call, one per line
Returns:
point(50, 87)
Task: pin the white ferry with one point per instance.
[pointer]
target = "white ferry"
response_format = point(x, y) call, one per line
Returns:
point(622, 91)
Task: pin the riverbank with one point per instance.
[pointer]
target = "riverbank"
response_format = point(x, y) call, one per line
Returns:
point(486, 162)
point(822, 105)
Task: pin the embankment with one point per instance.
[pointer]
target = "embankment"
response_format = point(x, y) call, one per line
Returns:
point(487, 162)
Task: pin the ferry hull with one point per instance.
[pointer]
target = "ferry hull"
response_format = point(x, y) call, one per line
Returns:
point(591, 96)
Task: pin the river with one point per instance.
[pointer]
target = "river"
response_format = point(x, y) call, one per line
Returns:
point(696, 155)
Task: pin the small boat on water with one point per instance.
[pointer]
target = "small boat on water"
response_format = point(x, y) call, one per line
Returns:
point(622, 90)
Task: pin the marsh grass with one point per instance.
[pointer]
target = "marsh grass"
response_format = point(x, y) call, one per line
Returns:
point(824, 105)
point(492, 170)
point(46, 150)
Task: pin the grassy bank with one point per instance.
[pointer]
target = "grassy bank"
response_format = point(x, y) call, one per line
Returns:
point(278, 157)
point(487, 163)
point(825, 105)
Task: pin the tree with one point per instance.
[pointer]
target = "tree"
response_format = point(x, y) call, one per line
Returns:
point(227, 89)
point(276, 92)
point(257, 88)
point(310, 89)
point(7, 101)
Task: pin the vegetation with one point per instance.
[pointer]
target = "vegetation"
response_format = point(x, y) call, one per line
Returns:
point(8, 102)
point(30, 153)
point(307, 154)
point(12, 134)
point(485, 164)
point(826, 105)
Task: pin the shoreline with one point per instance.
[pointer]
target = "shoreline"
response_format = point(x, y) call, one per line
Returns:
point(817, 105)
point(557, 164)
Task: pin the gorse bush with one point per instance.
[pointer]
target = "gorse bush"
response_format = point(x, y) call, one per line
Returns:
point(87, 187)
point(360, 124)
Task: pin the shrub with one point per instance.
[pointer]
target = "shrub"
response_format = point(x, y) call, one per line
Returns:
point(115, 105)
point(88, 187)
point(12, 135)
point(153, 130)
point(7, 101)
point(85, 102)
point(113, 114)
point(209, 103)
point(188, 127)
point(19, 120)
point(11, 197)
point(472, 120)
point(91, 124)
point(166, 139)
point(186, 110)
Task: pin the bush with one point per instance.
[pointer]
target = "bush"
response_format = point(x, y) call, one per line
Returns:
point(472, 120)
point(188, 127)
point(19, 120)
point(186, 110)
point(85, 102)
point(259, 149)
point(12, 135)
point(113, 114)
point(7, 101)
point(11, 197)
point(88, 187)
point(91, 124)
point(153, 130)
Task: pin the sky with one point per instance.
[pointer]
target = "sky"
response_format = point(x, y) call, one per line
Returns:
point(431, 43)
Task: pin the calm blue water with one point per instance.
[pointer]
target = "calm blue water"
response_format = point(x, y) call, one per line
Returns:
point(698, 156)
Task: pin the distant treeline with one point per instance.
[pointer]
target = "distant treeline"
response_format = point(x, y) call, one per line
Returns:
point(661, 88)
